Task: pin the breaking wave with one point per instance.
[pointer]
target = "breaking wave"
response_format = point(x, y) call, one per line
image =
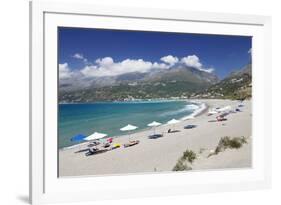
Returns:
point(190, 108)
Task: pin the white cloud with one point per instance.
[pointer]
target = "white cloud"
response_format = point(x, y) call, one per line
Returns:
point(139, 65)
point(208, 70)
point(107, 67)
point(105, 62)
point(194, 61)
point(64, 71)
point(156, 65)
point(80, 57)
point(171, 60)
point(89, 71)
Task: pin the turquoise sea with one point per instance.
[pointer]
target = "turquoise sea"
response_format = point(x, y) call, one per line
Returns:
point(109, 117)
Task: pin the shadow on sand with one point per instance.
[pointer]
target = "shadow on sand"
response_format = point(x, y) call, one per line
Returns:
point(174, 131)
point(156, 136)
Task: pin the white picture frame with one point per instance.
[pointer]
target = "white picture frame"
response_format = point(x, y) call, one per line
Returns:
point(46, 187)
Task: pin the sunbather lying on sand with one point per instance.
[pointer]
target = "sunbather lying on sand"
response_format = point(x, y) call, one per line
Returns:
point(95, 150)
point(219, 118)
point(131, 143)
point(115, 146)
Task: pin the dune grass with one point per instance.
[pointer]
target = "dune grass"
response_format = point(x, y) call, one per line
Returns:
point(183, 164)
point(229, 143)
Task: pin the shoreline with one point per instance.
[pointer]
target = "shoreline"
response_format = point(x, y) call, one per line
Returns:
point(202, 108)
point(126, 101)
point(162, 154)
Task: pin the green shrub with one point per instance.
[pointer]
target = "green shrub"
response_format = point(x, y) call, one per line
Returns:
point(243, 140)
point(189, 155)
point(181, 166)
point(230, 143)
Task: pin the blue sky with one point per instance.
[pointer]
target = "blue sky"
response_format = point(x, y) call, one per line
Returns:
point(92, 50)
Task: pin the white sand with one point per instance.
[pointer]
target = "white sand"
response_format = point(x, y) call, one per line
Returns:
point(162, 154)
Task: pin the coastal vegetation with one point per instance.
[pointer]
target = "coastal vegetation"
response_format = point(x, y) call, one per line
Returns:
point(229, 143)
point(236, 86)
point(125, 92)
point(183, 164)
point(185, 161)
point(189, 155)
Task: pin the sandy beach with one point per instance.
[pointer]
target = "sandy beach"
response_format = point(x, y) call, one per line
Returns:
point(162, 154)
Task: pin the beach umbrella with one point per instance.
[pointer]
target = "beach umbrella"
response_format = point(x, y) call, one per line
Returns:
point(173, 122)
point(226, 108)
point(212, 112)
point(154, 124)
point(128, 127)
point(78, 138)
point(95, 136)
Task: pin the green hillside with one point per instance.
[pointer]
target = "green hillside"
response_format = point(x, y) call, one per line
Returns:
point(177, 83)
point(237, 85)
point(138, 91)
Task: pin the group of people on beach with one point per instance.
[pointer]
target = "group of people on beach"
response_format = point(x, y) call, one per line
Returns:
point(97, 146)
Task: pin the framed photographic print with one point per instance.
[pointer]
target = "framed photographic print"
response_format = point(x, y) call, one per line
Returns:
point(129, 102)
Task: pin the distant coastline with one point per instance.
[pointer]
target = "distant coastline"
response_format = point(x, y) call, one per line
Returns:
point(132, 101)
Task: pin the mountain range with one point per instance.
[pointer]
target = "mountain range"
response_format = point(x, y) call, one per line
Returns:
point(237, 85)
point(178, 82)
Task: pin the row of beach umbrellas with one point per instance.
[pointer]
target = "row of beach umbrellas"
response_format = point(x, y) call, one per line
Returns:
point(129, 127)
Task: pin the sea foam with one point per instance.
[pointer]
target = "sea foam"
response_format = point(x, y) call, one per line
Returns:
point(200, 108)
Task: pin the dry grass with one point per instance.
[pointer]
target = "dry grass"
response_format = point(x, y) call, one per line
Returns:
point(183, 163)
point(229, 143)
